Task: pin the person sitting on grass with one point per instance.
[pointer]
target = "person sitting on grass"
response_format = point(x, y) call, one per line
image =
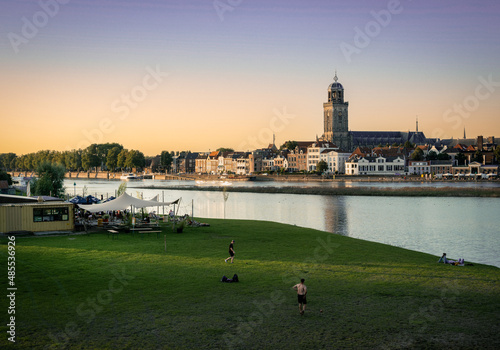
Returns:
point(445, 260)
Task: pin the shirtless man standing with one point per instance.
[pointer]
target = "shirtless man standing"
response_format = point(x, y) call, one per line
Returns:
point(301, 295)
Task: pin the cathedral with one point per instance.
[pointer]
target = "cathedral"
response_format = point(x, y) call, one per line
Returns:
point(336, 126)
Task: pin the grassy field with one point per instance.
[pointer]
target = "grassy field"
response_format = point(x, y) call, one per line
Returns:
point(92, 292)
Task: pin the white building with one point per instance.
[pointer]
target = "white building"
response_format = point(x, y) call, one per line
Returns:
point(335, 160)
point(268, 164)
point(314, 154)
point(242, 165)
point(419, 167)
point(375, 166)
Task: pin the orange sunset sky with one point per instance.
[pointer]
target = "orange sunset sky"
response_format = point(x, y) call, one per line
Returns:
point(186, 75)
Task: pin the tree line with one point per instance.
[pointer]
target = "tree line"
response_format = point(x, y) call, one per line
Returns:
point(108, 156)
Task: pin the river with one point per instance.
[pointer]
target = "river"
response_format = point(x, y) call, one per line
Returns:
point(466, 228)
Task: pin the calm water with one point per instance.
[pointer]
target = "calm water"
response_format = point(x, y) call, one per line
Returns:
point(462, 227)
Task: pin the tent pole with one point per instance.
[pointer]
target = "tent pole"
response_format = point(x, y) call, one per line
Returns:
point(178, 205)
point(173, 220)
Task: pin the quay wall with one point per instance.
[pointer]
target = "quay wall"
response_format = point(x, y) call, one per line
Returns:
point(105, 175)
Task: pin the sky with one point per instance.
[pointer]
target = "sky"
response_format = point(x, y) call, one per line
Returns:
point(169, 75)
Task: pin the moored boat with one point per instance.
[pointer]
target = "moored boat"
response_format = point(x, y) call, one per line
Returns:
point(130, 176)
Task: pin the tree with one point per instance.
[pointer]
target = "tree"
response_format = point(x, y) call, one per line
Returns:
point(496, 153)
point(166, 160)
point(41, 157)
point(478, 157)
point(121, 189)
point(408, 145)
point(153, 163)
point(58, 158)
point(90, 157)
point(322, 166)
point(4, 176)
point(431, 156)
point(13, 163)
point(20, 163)
point(103, 150)
point(460, 158)
point(135, 159)
point(50, 180)
point(417, 154)
point(6, 160)
point(122, 158)
point(223, 150)
point(73, 160)
point(112, 158)
point(290, 145)
point(443, 156)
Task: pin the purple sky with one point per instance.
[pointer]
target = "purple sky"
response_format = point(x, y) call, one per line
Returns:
point(230, 72)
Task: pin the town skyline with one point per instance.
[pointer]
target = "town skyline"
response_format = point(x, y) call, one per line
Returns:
point(205, 75)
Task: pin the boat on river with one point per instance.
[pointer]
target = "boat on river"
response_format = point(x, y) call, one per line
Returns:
point(130, 176)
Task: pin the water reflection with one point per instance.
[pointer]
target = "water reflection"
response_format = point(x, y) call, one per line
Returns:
point(335, 215)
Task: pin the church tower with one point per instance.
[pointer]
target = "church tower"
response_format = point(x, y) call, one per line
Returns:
point(336, 119)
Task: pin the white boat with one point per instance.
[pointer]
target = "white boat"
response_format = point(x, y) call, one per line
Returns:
point(130, 176)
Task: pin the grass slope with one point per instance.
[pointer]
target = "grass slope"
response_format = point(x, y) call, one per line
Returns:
point(94, 292)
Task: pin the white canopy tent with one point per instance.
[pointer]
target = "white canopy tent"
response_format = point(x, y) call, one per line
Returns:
point(123, 202)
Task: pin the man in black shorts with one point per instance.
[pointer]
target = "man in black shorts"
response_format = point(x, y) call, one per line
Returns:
point(301, 295)
point(231, 252)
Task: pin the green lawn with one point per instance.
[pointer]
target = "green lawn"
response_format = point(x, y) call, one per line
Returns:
point(91, 292)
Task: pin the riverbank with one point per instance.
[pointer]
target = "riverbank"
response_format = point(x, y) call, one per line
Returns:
point(131, 293)
point(348, 191)
point(105, 175)
point(204, 183)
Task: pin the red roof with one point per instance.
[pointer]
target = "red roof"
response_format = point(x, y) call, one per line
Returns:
point(460, 147)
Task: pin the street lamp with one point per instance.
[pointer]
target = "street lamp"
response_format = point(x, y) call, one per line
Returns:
point(74, 186)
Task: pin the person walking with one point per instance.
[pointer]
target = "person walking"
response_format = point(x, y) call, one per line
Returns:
point(231, 252)
point(301, 295)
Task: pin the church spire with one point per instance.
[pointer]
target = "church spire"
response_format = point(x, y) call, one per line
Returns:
point(417, 124)
point(464, 133)
point(335, 77)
